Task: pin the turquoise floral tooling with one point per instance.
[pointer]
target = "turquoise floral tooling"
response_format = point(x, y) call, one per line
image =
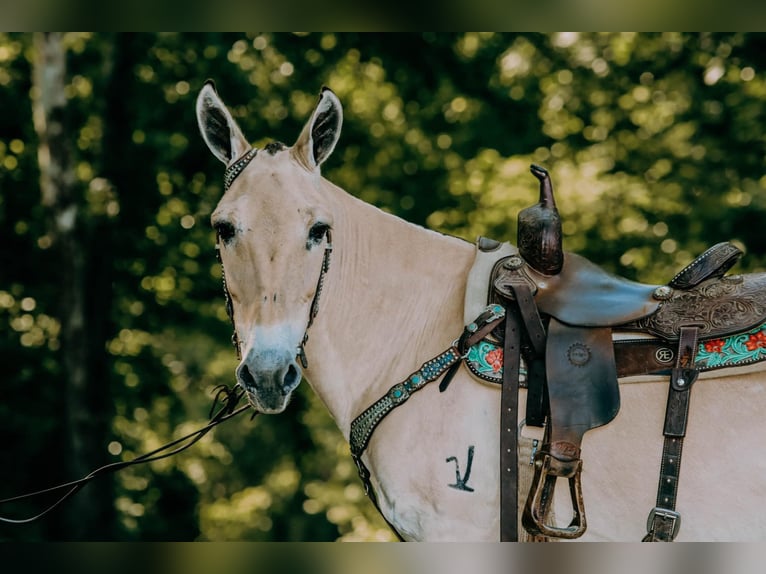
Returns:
point(485, 359)
point(741, 349)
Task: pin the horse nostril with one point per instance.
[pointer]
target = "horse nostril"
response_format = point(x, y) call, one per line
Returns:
point(245, 377)
point(292, 377)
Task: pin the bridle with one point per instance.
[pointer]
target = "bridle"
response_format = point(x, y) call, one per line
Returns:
point(229, 176)
point(315, 301)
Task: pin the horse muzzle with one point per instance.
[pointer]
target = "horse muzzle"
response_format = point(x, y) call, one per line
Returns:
point(269, 377)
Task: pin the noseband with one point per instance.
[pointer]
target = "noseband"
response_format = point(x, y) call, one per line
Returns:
point(229, 176)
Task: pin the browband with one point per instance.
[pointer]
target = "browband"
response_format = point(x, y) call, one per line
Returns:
point(237, 167)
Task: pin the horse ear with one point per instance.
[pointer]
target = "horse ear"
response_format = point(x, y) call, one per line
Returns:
point(219, 129)
point(321, 132)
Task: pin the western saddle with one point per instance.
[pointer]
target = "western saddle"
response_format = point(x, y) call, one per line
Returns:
point(560, 312)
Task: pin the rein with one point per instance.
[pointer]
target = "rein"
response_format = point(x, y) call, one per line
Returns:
point(229, 396)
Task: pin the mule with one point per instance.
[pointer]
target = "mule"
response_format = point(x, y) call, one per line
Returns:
point(390, 297)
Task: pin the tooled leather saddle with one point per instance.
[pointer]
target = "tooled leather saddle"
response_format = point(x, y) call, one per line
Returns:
point(561, 311)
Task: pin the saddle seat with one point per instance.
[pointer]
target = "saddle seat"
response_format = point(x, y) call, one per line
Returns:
point(582, 294)
point(585, 295)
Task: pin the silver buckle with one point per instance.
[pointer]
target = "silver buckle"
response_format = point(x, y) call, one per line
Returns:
point(664, 514)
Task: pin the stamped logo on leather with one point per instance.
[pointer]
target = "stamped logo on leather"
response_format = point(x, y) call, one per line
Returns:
point(664, 355)
point(578, 354)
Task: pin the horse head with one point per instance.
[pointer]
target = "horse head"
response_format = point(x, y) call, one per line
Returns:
point(271, 225)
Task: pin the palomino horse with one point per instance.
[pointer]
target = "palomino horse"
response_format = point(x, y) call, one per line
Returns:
point(391, 298)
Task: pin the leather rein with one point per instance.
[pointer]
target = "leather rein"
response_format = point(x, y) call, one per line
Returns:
point(229, 396)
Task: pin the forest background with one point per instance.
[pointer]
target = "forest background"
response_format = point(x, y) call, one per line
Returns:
point(113, 331)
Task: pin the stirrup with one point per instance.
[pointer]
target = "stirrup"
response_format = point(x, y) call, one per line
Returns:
point(547, 470)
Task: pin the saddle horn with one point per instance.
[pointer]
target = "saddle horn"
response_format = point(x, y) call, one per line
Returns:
point(539, 229)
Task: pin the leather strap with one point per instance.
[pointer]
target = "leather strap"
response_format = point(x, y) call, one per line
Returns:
point(363, 426)
point(474, 332)
point(537, 392)
point(644, 356)
point(523, 314)
point(529, 313)
point(237, 167)
point(509, 405)
point(537, 398)
point(664, 522)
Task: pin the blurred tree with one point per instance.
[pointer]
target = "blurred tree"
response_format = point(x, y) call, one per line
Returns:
point(655, 143)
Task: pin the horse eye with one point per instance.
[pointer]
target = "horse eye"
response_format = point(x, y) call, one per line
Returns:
point(316, 234)
point(225, 230)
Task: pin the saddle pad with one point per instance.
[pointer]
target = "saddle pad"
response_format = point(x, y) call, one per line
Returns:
point(479, 277)
point(485, 359)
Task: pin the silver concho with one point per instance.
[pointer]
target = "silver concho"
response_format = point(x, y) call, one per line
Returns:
point(514, 262)
point(398, 394)
point(663, 293)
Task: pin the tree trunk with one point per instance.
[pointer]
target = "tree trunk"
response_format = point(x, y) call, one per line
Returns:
point(90, 514)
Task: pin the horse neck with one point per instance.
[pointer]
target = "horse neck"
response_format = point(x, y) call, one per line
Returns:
point(393, 299)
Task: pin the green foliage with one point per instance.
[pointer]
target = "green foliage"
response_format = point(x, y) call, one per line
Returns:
point(654, 141)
